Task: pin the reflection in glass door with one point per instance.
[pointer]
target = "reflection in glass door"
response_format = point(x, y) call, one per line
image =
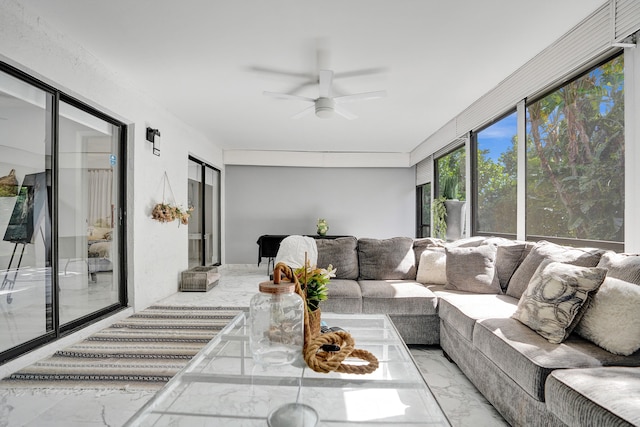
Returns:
point(87, 213)
point(26, 296)
point(204, 224)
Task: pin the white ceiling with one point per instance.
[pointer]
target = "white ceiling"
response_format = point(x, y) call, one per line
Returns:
point(201, 59)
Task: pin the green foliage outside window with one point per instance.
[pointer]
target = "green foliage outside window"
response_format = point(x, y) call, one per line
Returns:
point(575, 158)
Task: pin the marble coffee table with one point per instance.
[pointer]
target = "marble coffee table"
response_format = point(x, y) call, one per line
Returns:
point(222, 385)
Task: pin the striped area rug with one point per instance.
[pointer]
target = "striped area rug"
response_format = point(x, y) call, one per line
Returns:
point(142, 351)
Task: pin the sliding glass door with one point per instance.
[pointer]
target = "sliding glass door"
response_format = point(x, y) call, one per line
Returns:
point(204, 224)
point(61, 246)
point(88, 229)
point(26, 296)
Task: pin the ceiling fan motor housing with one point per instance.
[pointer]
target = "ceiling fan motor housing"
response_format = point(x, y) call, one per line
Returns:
point(324, 107)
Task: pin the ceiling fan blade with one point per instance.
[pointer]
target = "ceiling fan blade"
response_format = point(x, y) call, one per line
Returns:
point(360, 96)
point(357, 73)
point(267, 70)
point(304, 112)
point(326, 77)
point(344, 113)
point(287, 96)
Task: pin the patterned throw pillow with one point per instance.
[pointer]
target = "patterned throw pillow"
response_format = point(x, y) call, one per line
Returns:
point(552, 303)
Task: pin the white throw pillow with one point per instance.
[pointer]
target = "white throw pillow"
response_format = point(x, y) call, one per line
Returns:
point(432, 267)
point(612, 320)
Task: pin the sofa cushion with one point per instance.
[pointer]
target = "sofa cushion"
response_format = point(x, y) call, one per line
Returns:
point(612, 319)
point(420, 245)
point(405, 297)
point(553, 303)
point(432, 267)
point(528, 358)
point(508, 259)
point(461, 310)
point(467, 242)
point(584, 257)
point(342, 253)
point(595, 396)
point(472, 269)
point(344, 296)
point(622, 266)
point(386, 259)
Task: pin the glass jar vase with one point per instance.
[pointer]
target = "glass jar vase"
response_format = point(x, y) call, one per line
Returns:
point(276, 321)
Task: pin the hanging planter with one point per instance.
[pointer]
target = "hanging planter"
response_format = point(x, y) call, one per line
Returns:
point(170, 211)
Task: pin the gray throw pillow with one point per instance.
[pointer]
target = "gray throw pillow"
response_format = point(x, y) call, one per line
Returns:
point(342, 253)
point(552, 303)
point(584, 257)
point(472, 269)
point(386, 259)
point(508, 259)
point(622, 266)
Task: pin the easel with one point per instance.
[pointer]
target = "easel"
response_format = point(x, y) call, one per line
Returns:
point(10, 283)
point(29, 212)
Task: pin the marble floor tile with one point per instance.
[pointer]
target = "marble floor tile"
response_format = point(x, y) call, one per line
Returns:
point(462, 403)
point(459, 399)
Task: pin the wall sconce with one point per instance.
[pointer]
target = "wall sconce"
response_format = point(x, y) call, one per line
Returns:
point(153, 136)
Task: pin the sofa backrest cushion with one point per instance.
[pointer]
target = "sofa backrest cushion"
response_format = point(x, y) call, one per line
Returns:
point(386, 259)
point(472, 269)
point(342, 254)
point(583, 257)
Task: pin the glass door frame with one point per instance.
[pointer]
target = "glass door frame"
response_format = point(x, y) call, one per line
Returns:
point(120, 217)
point(52, 130)
point(204, 211)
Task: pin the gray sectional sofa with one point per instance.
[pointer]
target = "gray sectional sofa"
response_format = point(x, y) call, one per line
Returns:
point(478, 299)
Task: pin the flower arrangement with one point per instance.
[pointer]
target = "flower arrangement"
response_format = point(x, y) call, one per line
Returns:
point(313, 281)
point(165, 212)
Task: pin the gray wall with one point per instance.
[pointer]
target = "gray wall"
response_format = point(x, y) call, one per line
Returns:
point(362, 202)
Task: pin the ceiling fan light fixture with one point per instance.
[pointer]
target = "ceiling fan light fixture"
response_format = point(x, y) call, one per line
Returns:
point(325, 108)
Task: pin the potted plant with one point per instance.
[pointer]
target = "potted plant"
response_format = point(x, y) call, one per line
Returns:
point(313, 281)
point(448, 215)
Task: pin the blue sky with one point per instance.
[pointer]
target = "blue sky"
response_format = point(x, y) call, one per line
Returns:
point(497, 137)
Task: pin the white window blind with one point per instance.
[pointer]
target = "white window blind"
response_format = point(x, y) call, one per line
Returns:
point(424, 171)
point(627, 18)
point(583, 46)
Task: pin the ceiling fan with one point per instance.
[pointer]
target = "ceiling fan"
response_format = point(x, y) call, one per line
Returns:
point(326, 105)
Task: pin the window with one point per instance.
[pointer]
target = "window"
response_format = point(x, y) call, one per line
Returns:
point(575, 158)
point(450, 195)
point(423, 203)
point(495, 183)
point(451, 175)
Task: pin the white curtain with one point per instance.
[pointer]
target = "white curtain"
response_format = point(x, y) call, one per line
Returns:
point(100, 197)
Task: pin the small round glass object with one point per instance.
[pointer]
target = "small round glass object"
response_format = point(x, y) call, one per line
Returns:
point(293, 415)
point(276, 320)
